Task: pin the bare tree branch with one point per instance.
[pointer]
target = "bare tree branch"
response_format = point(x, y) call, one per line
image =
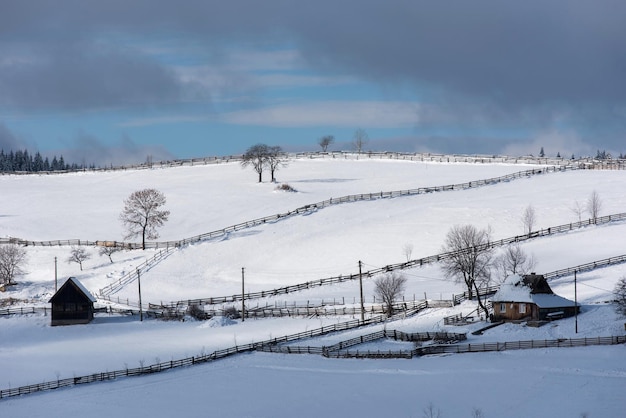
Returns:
point(389, 287)
point(142, 214)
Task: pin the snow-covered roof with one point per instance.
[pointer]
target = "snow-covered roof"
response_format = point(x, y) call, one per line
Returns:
point(513, 289)
point(82, 288)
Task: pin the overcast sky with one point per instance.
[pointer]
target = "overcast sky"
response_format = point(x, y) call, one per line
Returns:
point(114, 81)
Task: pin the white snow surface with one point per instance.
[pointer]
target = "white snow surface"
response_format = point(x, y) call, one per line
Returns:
point(566, 382)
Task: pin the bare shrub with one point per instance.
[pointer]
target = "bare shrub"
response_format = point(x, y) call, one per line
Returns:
point(407, 250)
point(431, 412)
point(196, 311)
point(231, 313)
point(594, 205)
point(286, 188)
point(529, 219)
point(12, 257)
point(389, 288)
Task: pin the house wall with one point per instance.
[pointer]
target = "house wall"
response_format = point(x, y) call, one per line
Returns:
point(512, 311)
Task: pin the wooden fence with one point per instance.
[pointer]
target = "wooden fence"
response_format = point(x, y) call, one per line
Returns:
point(477, 348)
point(441, 337)
point(423, 261)
point(299, 211)
point(189, 361)
point(134, 274)
point(422, 157)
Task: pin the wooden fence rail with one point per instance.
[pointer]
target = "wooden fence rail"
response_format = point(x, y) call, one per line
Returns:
point(167, 365)
point(427, 260)
point(301, 210)
point(475, 348)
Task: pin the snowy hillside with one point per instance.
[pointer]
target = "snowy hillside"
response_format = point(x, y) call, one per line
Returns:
point(328, 242)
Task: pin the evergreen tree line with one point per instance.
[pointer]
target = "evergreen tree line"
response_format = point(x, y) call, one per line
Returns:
point(24, 161)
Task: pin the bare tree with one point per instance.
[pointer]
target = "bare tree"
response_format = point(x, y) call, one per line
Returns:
point(389, 288)
point(275, 158)
point(594, 205)
point(514, 261)
point(142, 214)
point(256, 156)
point(620, 296)
point(407, 250)
point(431, 412)
point(78, 255)
point(326, 141)
point(468, 258)
point(578, 210)
point(359, 140)
point(12, 257)
point(528, 219)
point(109, 251)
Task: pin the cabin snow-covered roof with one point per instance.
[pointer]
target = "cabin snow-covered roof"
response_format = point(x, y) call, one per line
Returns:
point(80, 287)
point(514, 289)
point(83, 289)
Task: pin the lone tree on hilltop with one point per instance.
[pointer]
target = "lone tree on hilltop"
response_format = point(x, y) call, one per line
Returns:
point(256, 156)
point(359, 140)
point(275, 159)
point(142, 214)
point(389, 288)
point(11, 259)
point(326, 141)
point(468, 258)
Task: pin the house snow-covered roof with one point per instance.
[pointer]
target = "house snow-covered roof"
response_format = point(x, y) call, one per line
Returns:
point(514, 289)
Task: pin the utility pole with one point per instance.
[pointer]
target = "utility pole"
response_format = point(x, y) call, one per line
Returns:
point(139, 284)
point(361, 289)
point(55, 275)
point(243, 297)
point(575, 302)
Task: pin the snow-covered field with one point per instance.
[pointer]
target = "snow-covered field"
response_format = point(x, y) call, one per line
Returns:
point(542, 382)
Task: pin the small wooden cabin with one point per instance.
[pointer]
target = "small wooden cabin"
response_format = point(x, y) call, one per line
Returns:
point(72, 304)
point(529, 298)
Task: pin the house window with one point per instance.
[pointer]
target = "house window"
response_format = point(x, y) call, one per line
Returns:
point(503, 307)
point(522, 308)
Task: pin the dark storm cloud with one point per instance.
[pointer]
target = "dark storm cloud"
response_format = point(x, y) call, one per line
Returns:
point(83, 75)
point(514, 53)
point(531, 64)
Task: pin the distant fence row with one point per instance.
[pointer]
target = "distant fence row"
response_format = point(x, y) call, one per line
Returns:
point(299, 211)
point(586, 162)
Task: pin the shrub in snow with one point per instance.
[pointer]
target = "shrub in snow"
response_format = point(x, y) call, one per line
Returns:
point(285, 188)
point(196, 312)
point(231, 313)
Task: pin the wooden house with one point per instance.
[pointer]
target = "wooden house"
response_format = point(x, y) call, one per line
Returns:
point(529, 297)
point(72, 304)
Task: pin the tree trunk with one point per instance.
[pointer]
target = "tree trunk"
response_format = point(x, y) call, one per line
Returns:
point(260, 177)
point(481, 305)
